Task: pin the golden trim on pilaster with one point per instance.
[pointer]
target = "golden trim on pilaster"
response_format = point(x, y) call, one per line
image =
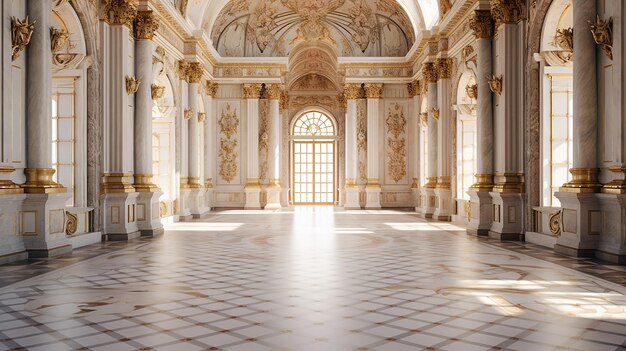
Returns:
point(39, 181)
point(443, 182)
point(431, 183)
point(116, 183)
point(616, 186)
point(484, 183)
point(252, 183)
point(7, 187)
point(584, 180)
point(194, 182)
point(143, 184)
point(350, 183)
point(509, 183)
point(373, 183)
point(274, 183)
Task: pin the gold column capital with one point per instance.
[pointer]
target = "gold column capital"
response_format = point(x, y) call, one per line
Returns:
point(352, 91)
point(274, 91)
point(481, 24)
point(507, 11)
point(444, 68)
point(373, 91)
point(146, 24)
point(414, 88)
point(429, 72)
point(251, 91)
point(195, 72)
point(210, 88)
point(119, 12)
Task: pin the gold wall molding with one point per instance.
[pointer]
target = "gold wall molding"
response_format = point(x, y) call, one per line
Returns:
point(481, 23)
point(396, 142)
point(602, 31)
point(361, 133)
point(507, 11)
point(132, 85)
point(229, 124)
point(429, 72)
point(146, 24)
point(21, 33)
point(374, 91)
point(182, 5)
point(495, 84)
point(352, 91)
point(119, 12)
point(252, 91)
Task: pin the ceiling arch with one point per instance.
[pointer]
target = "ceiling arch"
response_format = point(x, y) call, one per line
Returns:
point(419, 15)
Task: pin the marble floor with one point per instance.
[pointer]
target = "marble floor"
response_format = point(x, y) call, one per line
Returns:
point(310, 278)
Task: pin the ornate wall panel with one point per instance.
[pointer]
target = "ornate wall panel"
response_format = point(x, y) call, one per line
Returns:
point(229, 143)
point(264, 138)
point(396, 124)
point(361, 137)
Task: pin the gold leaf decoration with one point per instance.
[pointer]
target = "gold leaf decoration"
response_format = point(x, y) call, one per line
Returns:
point(396, 152)
point(71, 223)
point(229, 123)
point(21, 32)
point(555, 223)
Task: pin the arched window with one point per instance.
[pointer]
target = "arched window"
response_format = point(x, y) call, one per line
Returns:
point(313, 159)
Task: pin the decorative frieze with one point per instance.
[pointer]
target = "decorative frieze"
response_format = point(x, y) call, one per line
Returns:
point(119, 12)
point(352, 91)
point(481, 24)
point(429, 72)
point(444, 68)
point(374, 91)
point(21, 32)
point(146, 24)
point(252, 91)
point(507, 11)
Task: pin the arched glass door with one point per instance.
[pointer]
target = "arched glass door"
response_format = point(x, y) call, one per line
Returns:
point(313, 159)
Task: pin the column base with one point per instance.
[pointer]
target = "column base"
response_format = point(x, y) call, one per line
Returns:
point(184, 212)
point(352, 201)
point(148, 213)
point(428, 202)
point(208, 198)
point(508, 216)
point(480, 213)
point(43, 224)
point(253, 198)
point(372, 197)
point(581, 223)
point(120, 216)
point(443, 197)
point(273, 198)
point(416, 199)
point(197, 203)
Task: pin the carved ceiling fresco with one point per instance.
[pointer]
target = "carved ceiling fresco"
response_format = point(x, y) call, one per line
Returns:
point(272, 28)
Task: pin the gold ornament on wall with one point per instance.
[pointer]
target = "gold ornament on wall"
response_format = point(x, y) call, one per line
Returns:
point(361, 133)
point(157, 91)
point(396, 151)
point(472, 91)
point(201, 117)
point(284, 100)
point(424, 118)
point(564, 39)
point(555, 222)
point(602, 32)
point(435, 113)
point(495, 84)
point(467, 209)
point(229, 123)
point(132, 85)
point(59, 39)
point(162, 209)
point(21, 32)
point(187, 114)
point(210, 88)
point(182, 6)
point(413, 88)
point(71, 223)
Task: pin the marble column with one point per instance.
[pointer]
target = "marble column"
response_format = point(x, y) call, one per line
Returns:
point(414, 89)
point(148, 215)
point(352, 93)
point(283, 104)
point(481, 209)
point(210, 136)
point(273, 158)
point(197, 206)
point(374, 93)
point(508, 192)
point(444, 141)
point(252, 93)
point(581, 216)
point(428, 196)
point(184, 115)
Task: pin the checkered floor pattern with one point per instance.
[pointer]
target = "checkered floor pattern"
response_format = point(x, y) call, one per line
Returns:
point(313, 278)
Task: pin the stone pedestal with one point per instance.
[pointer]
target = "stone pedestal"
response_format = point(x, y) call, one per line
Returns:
point(148, 214)
point(352, 198)
point(508, 212)
point(443, 204)
point(197, 203)
point(43, 225)
point(273, 197)
point(79, 227)
point(428, 202)
point(253, 198)
point(481, 213)
point(372, 197)
point(612, 242)
point(208, 198)
point(416, 198)
point(120, 222)
point(581, 224)
point(11, 242)
point(185, 213)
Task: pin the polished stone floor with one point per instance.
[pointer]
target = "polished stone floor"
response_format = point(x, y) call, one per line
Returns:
point(310, 278)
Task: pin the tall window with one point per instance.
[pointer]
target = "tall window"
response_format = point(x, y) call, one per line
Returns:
point(63, 133)
point(557, 130)
point(313, 161)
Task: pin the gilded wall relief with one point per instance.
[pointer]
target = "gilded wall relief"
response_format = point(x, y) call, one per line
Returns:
point(273, 27)
point(229, 125)
point(264, 138)
point(396, 142)
point(361, 140)
point(313, 82)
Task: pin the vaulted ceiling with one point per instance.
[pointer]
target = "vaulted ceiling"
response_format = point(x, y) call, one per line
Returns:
point(273, 28)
